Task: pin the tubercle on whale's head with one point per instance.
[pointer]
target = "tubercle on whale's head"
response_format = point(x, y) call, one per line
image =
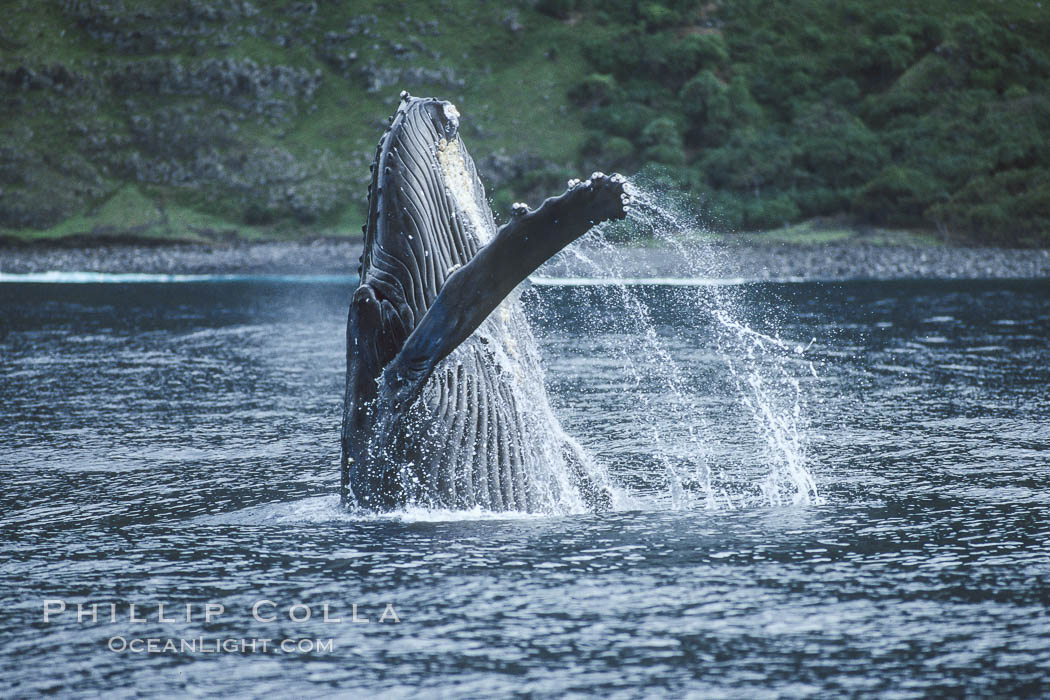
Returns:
point(442, 114)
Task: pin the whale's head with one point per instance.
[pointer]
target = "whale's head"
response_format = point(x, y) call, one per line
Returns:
point(427, 212)
point(432, 272)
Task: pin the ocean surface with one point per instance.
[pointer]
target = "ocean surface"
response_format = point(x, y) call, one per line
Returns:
point(836, 489)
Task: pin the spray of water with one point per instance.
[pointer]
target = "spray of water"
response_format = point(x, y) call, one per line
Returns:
point(764, 371)
point(670, 409)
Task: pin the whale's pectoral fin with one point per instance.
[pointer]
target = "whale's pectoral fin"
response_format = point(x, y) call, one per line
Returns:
point(471, 293)
point(375, 331)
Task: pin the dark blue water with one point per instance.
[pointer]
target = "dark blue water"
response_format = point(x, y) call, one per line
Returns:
point(177, 444)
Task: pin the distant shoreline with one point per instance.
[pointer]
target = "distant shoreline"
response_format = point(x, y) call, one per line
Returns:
point(765, 261)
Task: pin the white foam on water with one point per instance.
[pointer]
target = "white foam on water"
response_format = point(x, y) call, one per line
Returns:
point(321, 510)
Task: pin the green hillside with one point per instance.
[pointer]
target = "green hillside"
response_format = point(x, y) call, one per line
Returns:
point(208, 119)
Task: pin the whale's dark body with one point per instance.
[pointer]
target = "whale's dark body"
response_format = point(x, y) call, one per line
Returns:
point(444, 404)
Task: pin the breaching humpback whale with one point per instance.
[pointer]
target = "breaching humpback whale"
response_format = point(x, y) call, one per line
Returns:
point(445, 404)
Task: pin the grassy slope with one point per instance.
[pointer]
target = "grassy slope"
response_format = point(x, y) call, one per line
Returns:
point(512, 96)
point(924, 115)
point(293, 165)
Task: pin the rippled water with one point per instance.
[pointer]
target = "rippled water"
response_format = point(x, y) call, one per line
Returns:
point(177, 443)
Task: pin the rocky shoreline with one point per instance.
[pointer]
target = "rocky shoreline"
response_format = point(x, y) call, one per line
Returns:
point(759, 262)
point(323, 256)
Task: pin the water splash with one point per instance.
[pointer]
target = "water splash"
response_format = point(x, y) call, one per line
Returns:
point(758, 368)
point(764, 371)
